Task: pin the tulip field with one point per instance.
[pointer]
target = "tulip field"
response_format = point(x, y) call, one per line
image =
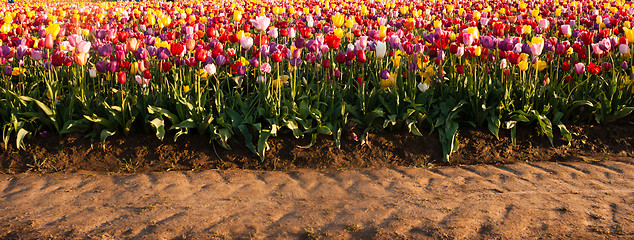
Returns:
point(244, 71)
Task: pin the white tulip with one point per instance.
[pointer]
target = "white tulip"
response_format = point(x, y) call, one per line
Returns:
point(381, 49)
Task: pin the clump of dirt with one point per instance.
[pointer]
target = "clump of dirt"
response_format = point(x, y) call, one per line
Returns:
point(140, 152)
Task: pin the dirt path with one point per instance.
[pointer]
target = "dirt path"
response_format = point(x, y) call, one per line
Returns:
point(521, 200)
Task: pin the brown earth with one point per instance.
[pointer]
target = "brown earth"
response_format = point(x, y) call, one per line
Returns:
point(140, 153)
point(397, 188)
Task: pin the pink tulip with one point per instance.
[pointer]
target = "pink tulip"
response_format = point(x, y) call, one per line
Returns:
point(273, 33)
point(543, 23)
point(580, 68)
point(261, 23)
point(83, 46)
point(74, 39)
point(266, 67)
point(566, 30)
point(246, 42)
point(467, 39)
point(537, 48)
point(48, 41)
point(624, 49)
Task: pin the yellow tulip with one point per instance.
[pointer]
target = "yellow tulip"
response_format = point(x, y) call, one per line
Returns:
point(538, 40)
point(338, 20)
point(350, 23)
point(338, 32)
point(629, 34)
point(53, 29)
point(396, 58)
point(540, 65)
point(527, 29)
point(18, 71)
point(523, 65)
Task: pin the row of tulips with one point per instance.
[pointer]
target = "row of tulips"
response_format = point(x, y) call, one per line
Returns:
point(346, 68)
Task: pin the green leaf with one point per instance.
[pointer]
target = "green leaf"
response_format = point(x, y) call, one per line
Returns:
point(248, 138)
point(411, 125)
point(262, 145)
point(159, 126)
point(80, 125)
point(157, 110)
point(292, 125)
point(20, 138)
point(327, 130)
point(494, 125)
point(102, 121)
point(105, 134)
point(312, 141)
point(187, 123)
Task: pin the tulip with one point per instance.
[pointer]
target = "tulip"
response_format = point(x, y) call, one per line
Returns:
point(8, 70)
point(83, 47)
point(523, 65)
point(580, 68)
point(80, 58)
point(261, 23)
point(543, 23)
point(385, 74)
point(624, 65)
point(273, 33)
point(141, 53)
point(566, 30)
point(163, 53)
point(165, 66)
point(361, 57)
point(121, 77)
point(629, 34)
point(101, 66)
point(537, 46)
point(380, 49)
point(606, 66)
point(210, 69)
point(48, 41)
point(36, 54)
point(246, 42)
point(112, 66)
point(105, 50)
point(190, 44)
point(338, 19)
point(92, 72)
point(142, 81)
point(132, 44)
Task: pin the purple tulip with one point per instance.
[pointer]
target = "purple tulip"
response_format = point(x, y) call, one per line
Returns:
point(163, 53)
point(36, 54)
point(221, 60)
point(624, 65)
point(299, 42)
point(5, 51)
point(101, 66)
point(385, 74)
point(141, 53)
point(242, 70)
point(8, 70)
point(297, 61)
point(254, 62)
point(112, 66)
point(488, 42)
point(151, 50)
point(120, 55)
point(105, 50)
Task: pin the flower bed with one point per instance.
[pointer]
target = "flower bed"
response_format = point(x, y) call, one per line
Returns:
point(253, 70)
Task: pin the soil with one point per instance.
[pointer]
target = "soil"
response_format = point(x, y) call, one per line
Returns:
point(397, 187)
point(141, 153)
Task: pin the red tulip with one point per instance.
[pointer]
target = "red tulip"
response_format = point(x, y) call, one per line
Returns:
point(201, 55)
point(177, 49)
point(361, 57)
point(165, 66)
point(277, 56)
point(121, 77)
